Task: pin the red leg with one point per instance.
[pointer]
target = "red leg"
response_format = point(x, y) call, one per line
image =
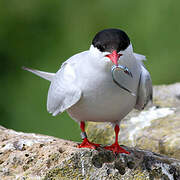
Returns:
point(86, 143)
point(116, 147)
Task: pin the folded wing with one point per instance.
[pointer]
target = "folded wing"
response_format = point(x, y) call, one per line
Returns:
point(63, 92)
point(145, 91)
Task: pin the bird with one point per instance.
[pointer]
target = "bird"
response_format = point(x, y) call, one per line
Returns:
point(101, 84)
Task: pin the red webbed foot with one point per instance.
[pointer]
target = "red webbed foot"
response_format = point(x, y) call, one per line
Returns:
point(87, 144)
point(116, 149)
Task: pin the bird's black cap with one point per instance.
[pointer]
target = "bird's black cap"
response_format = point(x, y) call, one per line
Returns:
point(111, 39)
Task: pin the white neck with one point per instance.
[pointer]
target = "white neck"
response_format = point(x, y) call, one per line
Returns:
point(96, 52)
point(103, 61)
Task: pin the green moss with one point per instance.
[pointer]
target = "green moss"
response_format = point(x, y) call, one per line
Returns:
point(69, 170)
point(138, 174)
point(54, 157)
point(25, 167)
point(65, 172)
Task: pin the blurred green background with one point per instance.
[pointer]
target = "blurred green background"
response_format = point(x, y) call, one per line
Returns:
point(43, 33)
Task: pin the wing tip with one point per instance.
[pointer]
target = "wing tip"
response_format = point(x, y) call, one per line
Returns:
point(26, 68)
point(54, 112)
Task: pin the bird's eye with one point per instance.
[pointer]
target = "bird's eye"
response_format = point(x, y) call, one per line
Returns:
point(100, 47)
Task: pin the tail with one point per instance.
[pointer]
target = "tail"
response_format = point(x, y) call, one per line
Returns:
point(45, 75)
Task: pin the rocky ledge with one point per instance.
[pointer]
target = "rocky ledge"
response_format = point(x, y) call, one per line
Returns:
point(156, 129)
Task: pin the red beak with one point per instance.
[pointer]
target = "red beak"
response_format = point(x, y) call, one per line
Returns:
point(114, 56)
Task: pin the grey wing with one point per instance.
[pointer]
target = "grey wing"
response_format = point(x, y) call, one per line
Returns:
point(145, 91)
point(63, 92)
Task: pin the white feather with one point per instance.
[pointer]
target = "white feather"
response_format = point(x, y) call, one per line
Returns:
point(45, 75)
point(63, 92)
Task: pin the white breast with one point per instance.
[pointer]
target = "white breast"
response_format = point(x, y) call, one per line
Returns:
point(103, 100)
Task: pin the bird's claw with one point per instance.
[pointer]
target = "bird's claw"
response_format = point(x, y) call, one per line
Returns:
point(87, 144)
point(116, 149)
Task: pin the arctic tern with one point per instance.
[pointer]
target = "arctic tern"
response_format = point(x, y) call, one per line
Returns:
point(102, 84)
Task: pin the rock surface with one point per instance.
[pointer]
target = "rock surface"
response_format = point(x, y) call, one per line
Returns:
point(157, 128)
point(31, 156)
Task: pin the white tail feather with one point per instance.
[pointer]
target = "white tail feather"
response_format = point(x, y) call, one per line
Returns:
point(45, 75)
